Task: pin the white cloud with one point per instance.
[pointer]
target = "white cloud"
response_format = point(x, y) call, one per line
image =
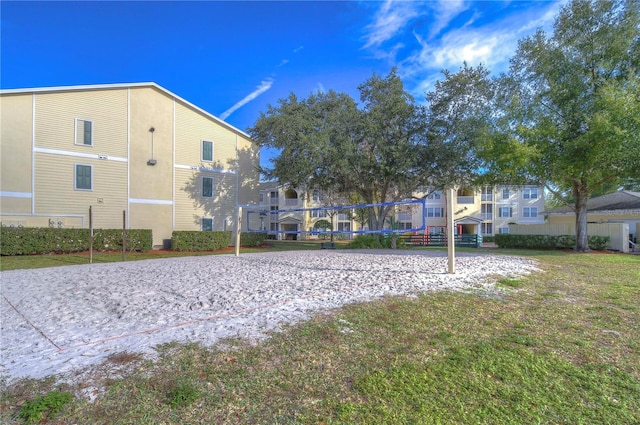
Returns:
point(444, 12)
point(389, 20)
point(263, 87)
point(491, 44)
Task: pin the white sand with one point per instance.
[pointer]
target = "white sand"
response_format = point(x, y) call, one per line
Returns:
point(57, 320)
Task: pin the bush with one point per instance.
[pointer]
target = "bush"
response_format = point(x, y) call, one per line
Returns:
point(376, 241)
point(46, 240)
point(199, 241)
point(365, 242)
point(252, 239)
point(506, 240)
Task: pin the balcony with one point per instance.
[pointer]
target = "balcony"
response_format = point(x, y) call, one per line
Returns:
point(487, 216)
point(291, 202)
point(465, 199)
point(487, 197)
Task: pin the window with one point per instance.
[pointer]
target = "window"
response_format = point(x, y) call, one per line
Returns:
point(207, 187)
point(207, 151)
point(403, 216)
point(436, 230)
point(317, 196)
point(506, 193)
point(530, 193)
point(83, 177)
point(530, 212)
point(435, 195)
point(487, 194)
point(207, 224)
point(487, 228)
point(405, 225)
point(262, 198)
point(344, 227)
point(318, 213)
point(504, 229)
point(84, 132)
point(505, 212)
point(487, 211)
point(435, 212)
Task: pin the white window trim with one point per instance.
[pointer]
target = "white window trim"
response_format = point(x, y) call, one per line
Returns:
point(202, 219)
point(530, 211)
point(501, 213)
point(202, 151)
point(75, 133)
point(75, 177)
point(438, 210)
point(526, 193)
point(202, 187)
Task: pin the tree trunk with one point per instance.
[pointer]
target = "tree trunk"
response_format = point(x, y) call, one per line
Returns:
point(581, 195)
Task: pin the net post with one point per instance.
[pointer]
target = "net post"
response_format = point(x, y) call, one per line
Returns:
point(451, 243)
point(238, 230)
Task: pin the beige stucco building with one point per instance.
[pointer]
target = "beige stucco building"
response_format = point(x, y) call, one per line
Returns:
point(484, 211)
point(138, 148)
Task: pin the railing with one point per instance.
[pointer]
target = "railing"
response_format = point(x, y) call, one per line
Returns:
point(487, 197)
point(466, 240)
point(486, 216)
point(291, 202)
point(465, 199)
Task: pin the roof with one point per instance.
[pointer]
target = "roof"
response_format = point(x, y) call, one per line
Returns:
point(124, 86)
point(468, 219)
point(621, 200)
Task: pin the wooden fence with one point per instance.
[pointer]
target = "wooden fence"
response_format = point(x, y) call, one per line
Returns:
point(618, 232)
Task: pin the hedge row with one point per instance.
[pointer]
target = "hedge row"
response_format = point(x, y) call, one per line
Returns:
point(507, 240)
point(199, 241)
point(46, 240)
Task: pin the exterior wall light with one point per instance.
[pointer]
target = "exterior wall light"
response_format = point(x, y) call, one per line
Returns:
point(152, 161)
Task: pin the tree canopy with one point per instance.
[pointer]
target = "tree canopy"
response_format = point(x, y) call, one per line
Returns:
point(569, 108)
point(379, 149)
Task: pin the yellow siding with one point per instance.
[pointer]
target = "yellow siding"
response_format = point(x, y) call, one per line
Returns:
point(56, 114)
point(248, 162)
point(55, 193)
point(150, 108)
point(15, 149)
point(190, 206)
point(121, 119)
point(191, 129)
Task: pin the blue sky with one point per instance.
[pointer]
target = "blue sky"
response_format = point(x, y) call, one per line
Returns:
point(235, 58)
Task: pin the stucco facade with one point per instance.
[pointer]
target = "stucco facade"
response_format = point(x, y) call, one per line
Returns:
point(486, 211)
point(137, 148)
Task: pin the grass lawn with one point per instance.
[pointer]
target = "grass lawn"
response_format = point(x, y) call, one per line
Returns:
point(55, 260)
point(560, 346)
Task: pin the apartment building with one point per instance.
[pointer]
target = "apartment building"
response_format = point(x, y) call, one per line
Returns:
point(484, 212)
point(138, 148)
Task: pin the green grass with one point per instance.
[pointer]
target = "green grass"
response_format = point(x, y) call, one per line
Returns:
point(560, 346)
point(55, 260)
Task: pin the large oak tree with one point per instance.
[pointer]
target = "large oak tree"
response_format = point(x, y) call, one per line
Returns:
point(571, 105)
point(379, 149)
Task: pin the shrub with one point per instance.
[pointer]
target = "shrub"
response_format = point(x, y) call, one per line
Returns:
point(506, 240)
point(365, 242)
point(199, 241)
point(46, 240)
point(252, 239)
point(376, 241)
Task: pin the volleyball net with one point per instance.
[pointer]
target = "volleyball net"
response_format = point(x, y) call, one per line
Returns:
point(319, 221)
